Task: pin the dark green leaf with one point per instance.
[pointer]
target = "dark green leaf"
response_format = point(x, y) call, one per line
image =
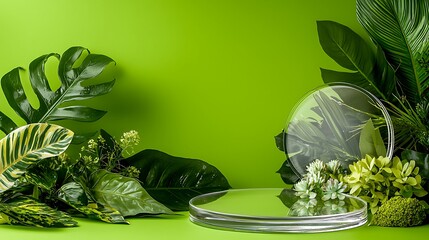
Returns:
point(351, 51)
point(173, 181)
point(6, 124)
point(287, 174)
point(384, 76)
point(345, 46)
point(279, 141)
point(15, 95)
point(108, 146)
point(401, 29)
point(29, 212)
point(76, 113)
point(41, 177)
point(82, 137)
point(76, 84)
point(124, 194)
point(75, 196)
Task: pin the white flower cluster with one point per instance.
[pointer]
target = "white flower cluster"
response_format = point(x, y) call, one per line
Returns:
point(321, 179)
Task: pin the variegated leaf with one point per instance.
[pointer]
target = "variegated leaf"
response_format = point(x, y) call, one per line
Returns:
point(26, 146)
point(28, 212)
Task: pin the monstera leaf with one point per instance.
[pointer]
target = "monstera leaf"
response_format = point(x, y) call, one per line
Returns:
point(75, 85)
point(26, 146)
point(173, 181)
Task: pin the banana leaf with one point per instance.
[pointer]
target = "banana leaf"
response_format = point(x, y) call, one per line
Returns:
point(401, 29)
point(173, 181)
point(124, 194)
point(27, 211)
point(76, 84)
point(350, 51)
point(26, 146)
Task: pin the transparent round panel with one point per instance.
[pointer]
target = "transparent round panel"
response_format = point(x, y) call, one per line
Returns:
point(275, 210)
point(338, 121)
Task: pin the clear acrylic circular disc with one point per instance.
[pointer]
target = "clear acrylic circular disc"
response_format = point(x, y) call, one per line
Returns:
point(275, 210)
point(337, 121)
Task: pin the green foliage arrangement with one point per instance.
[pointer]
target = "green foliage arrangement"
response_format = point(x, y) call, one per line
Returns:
point(393, 67)
point(40, 185)
point(21, 149)
point(391, 188)
point(376, 180)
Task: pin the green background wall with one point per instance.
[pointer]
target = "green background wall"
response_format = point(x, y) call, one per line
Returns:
point(207, 79)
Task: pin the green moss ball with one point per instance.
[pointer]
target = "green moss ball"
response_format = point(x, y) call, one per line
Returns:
point(399, 212)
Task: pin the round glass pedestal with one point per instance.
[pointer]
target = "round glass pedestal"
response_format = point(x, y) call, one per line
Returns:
point(275, 210)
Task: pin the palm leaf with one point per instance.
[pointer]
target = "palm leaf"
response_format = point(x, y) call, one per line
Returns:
point(26, 146)
point(75, 85)
point(401, 29)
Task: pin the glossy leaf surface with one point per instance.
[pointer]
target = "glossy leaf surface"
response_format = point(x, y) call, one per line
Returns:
point(76, 84)
point(124, 194)
point(26, 146)
point(27, 211)
point(401, 29)
point(173, 181)
point(74, 195)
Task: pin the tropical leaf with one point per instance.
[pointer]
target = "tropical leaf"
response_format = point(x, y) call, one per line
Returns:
point(74, 195)
point(279, 141)
point(26, 146)
point(401, 29)
point(75, 85)
point(422, 161)
point(384, 76)
point(124, 194)
point(371, 142)
point(103, 213)
point(287, 174)
point(27, 211)
point(352, 52)
point(335, 117)
point(41, 177)
point(173, 181)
